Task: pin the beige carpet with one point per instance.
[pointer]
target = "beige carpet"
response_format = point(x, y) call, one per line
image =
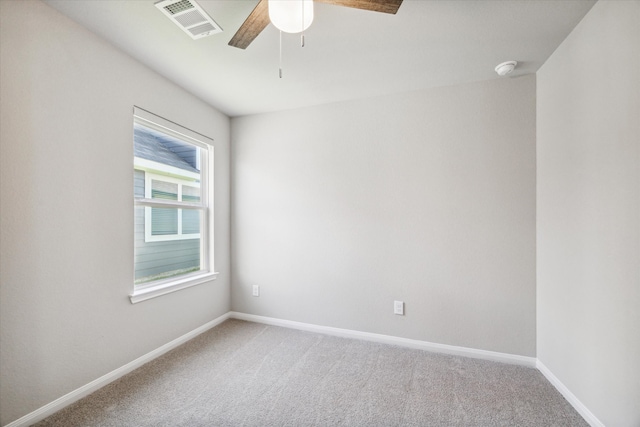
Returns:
point(248, 374)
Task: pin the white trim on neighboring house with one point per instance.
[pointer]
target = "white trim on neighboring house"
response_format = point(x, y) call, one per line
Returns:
point(148, 212)
point(165, 170)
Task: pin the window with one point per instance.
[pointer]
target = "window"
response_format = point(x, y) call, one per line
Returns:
point(172, 212)
point(171, 224)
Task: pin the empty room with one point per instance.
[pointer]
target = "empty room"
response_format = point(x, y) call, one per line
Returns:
point(319, 213)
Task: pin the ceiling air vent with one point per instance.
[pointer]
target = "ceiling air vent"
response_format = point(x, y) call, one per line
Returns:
point(190, 17)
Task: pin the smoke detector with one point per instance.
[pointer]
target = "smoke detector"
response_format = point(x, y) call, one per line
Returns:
point(189, 17)
point(506, 68)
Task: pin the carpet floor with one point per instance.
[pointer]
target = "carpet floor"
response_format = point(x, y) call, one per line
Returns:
point(248, 374)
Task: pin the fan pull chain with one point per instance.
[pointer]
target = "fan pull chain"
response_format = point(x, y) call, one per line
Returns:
point(302, 36)
point(280, 64)
point(302, 41)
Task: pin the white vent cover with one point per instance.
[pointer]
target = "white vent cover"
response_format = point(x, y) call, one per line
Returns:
point(190, 17)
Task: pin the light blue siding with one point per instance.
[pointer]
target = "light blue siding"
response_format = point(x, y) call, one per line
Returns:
point(153, 258)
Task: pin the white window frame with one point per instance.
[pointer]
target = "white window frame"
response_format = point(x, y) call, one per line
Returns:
point(207, 272)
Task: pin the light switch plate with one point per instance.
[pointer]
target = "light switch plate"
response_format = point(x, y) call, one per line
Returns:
point(398, 308)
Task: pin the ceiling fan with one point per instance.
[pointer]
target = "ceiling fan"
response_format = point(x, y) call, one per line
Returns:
point(258, 19)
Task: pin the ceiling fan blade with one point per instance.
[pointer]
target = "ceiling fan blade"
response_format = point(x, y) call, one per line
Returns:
point(385, 6)
point(252, 26)
point(259, 17)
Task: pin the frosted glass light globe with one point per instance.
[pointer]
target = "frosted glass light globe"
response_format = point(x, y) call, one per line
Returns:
point(291, 16)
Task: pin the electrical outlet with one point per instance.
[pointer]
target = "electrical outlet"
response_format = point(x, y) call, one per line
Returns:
point(398, 308)
point(256, 290)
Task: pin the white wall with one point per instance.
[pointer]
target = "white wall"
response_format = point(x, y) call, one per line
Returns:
point(66, 248)
point(588, 218)
point(426, 197)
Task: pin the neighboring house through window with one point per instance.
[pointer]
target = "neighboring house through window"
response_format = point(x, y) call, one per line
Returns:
point(172, 167)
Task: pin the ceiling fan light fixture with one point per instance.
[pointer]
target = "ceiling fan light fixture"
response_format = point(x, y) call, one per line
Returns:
point(291, 16)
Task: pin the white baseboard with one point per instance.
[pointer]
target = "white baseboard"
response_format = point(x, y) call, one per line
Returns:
point(388, 339)
point(77, 394)
point(571, 398)
point(439, 348)
point(87, 389)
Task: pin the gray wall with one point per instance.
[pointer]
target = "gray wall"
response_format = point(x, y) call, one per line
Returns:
point(66, 224)
point(588, 218)
point(426, 197)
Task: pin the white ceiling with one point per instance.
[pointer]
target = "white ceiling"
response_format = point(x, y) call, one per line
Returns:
point(349, 53)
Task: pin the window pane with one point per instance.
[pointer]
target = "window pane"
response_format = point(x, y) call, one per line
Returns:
point(164, 221)
point(190, 221)
point(190, 194)
point(164, 190)
point(161, 260)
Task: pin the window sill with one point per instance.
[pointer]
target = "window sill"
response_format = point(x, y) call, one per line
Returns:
point(167, 288)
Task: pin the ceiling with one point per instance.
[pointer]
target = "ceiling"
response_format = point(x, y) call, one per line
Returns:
point(349, 53)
